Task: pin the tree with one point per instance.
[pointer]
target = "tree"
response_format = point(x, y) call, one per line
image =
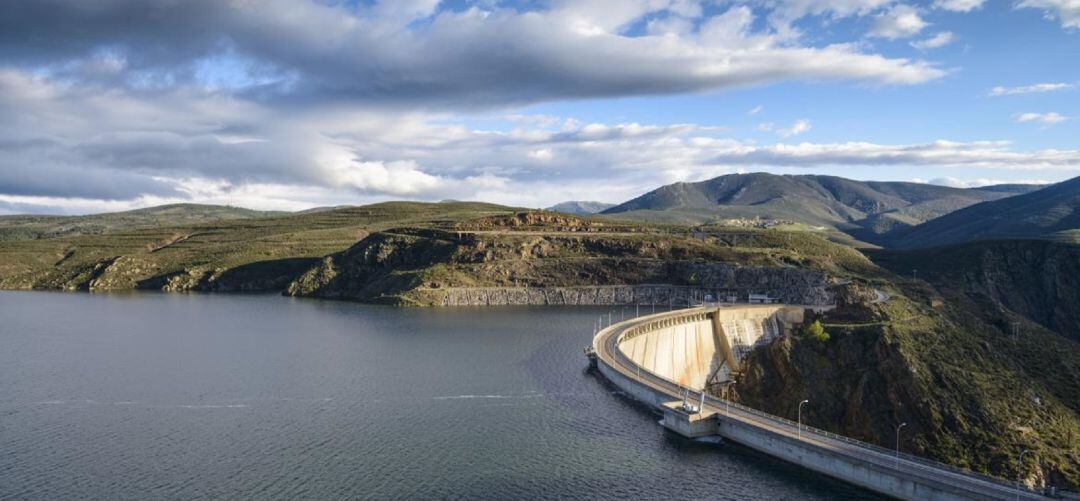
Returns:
point(816, 332)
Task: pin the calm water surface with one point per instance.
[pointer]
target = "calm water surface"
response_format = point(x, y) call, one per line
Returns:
point(148, 396)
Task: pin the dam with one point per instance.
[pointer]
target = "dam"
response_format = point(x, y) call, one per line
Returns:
point(675, 361)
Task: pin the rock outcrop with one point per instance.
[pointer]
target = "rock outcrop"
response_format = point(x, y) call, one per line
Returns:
point(434, 267)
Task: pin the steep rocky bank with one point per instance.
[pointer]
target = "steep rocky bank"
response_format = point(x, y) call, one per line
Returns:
point(970, 394)
point(436, 267)
point(1039, 280)
point(662, 296)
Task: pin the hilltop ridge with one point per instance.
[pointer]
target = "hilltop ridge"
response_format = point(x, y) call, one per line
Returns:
point(867, 210)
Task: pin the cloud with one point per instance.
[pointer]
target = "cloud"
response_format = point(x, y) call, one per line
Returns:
point(979, 154)
point(1047, 119)
point(408, 54)
point(1030, 89)
point(72, 149)
point(287, 104)
point(755, 110)
point(1066, 11)
point(953, 182)
point(799, 127)
point(939, 40)
point(959, 5)
point(901, 21)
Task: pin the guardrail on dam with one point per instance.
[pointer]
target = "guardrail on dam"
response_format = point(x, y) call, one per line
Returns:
point(661, 358)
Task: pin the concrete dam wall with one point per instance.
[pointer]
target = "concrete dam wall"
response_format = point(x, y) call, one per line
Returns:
point(698, 349)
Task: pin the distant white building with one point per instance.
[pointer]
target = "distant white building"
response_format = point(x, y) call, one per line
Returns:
point(762, 299)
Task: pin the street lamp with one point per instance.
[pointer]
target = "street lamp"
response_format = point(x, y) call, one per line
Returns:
point(898, 444)
point(727, 396)
point(1019, 470)
point(800, 417)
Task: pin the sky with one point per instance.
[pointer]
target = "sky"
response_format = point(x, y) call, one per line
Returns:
point(110, 105)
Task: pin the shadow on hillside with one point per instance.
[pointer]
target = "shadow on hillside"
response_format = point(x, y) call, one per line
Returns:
point(260, 276)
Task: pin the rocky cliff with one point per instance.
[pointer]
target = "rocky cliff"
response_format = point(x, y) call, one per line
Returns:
point(461, 267)
point(971, 395)
point(1039, 280)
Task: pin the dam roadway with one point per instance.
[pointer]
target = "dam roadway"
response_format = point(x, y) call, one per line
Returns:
point(872, 467)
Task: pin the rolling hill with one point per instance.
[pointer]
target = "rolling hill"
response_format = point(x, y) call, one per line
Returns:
point(1052, 212)
point(580, 208)
point(31, 227)
point(867, 210)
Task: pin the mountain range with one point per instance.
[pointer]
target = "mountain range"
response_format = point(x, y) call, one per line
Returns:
point(1051, 212)
point(871, 211)
point(580, 208)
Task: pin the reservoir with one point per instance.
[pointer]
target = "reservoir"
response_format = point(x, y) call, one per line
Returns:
point(152, 396)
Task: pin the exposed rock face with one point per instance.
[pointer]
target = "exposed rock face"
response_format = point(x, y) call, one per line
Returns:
point(859, 385)
point(465, 268)
point(947, 374)
point(1039, 280)
point(378, 267)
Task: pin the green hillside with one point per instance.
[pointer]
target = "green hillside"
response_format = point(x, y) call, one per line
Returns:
point(1051, 212)
point(867, 210)
point(262, 253)
point(36, 227)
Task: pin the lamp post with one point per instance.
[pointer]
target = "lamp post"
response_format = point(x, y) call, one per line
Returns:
point(727, 397)
point(1019, 470)
point(898, 444)
point(800, 417)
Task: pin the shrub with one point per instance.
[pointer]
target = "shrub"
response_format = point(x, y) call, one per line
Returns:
point(815, 331)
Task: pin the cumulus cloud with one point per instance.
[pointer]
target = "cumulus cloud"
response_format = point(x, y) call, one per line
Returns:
point(1047, 119)
point(959, 5)
point(981, 154)
point(953, 182)
point(286, 49)
point(939, 40)
point(1034, 88)
point(1065, 11)
point(286, 104)
point(901, 21)
point(115, 157)
point(799, 127)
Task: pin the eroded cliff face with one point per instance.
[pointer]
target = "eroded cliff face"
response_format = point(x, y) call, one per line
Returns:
point(1039, 280)
point(967, 391)
point(441, 267)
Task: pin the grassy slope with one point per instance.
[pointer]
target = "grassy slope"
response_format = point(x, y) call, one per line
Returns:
point(866, 210)
point(1048, 212)
point(189, 254)
point(37, 227)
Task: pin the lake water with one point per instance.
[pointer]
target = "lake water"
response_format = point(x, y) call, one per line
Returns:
point(184, 396)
